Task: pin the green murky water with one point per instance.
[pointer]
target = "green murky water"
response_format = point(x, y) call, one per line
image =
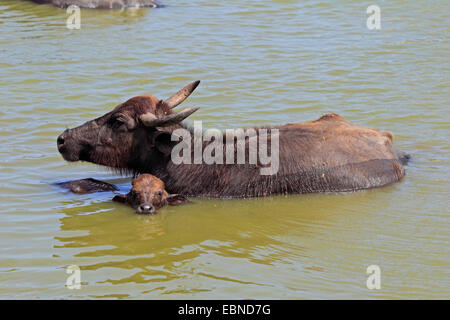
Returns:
point(266, 62)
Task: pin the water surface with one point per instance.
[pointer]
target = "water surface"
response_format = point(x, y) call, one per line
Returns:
point(267, 62)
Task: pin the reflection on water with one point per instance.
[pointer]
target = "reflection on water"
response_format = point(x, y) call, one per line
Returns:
point(261, 63)
point(146, 247)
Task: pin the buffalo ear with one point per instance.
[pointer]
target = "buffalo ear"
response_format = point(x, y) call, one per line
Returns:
point(164, 143)
point(176, 199)
point(131, 124)
point(123, 198)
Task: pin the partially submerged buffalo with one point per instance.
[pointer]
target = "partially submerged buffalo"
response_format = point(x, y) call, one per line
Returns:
point(102, 4)
point(326, 155)
point(88, 185)
point(148, 195)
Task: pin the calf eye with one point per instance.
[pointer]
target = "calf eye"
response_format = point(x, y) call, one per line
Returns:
point(159, 193)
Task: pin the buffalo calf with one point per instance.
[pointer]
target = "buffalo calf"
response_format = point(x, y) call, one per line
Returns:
point(148, 195)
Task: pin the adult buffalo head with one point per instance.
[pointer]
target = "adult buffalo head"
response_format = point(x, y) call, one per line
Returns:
point(134, 136)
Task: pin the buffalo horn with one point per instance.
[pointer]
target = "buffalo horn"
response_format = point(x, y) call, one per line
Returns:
point(150, 120)
point(181, 95)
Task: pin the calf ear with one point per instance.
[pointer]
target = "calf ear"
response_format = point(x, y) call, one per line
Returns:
point(120, 198)
point(176, 199)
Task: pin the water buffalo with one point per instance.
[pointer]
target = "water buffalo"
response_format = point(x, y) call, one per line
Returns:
point(102, 4)
point(326, 155)
point(148, 195)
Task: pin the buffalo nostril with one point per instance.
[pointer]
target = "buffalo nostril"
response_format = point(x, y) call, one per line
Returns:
point(145, 208)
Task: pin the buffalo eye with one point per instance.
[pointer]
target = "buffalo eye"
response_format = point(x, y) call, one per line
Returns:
point(133, 195)
point(117, 123)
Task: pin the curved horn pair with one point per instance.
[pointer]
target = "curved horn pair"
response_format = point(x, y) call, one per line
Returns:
point(150, 120)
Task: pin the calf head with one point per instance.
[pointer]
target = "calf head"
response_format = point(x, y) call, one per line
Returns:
point(148, 195)
point(135, 136)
